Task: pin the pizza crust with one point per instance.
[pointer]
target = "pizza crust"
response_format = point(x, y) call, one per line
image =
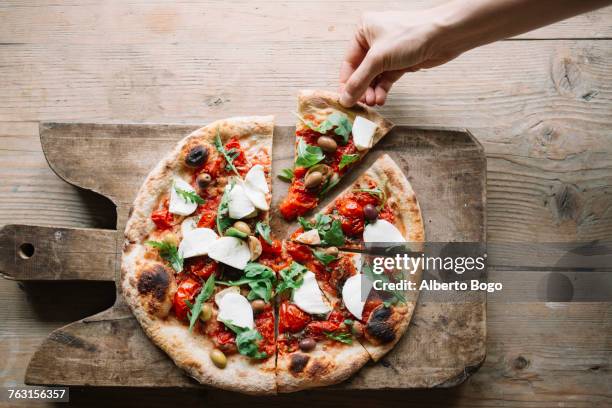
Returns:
point(320, 104)
point(329, 363)
point(191, 352)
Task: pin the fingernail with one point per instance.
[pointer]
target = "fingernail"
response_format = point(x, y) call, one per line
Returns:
point(345, 99)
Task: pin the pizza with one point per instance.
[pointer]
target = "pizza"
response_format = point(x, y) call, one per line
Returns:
point(330, 140)
point(234, 306)
point(379, 207)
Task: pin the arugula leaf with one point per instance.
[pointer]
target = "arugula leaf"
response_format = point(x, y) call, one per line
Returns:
point(260, 279)
point(229, 155)
point(292, 277)
point(246, 340)
point(286, 175)
point(307, 155)
point(333, 236)
point(189, 196)
point(342, 337)
point(342, 124)
point(340, 121)
point(324, 257)
point(203, 296)
point(264, 231)
point(378, 192)
point(169, 253)
point(397, 295)
point(223, 219)
point(348, 159)
point(330, 230)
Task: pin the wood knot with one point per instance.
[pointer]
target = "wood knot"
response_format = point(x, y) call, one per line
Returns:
point(565, 203)
point(570, 79)
point(520, 363)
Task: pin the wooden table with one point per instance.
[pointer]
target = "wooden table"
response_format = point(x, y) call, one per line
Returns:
point(541, 104)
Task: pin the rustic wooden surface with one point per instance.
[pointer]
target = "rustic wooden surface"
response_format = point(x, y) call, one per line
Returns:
point(540, 104)
point(443, 346)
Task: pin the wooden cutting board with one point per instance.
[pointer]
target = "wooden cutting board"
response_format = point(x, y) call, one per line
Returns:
point(444, 344)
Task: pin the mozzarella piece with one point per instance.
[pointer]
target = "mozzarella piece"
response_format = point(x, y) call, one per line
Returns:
point(309, 297)
point(256, 197)
point(239, 204)
point(196, 242)
point(363, 133)
point(178, 205)
point(231, 251)
point(352, 291)
point(222, 293)
point(189, 224)
point(256, 179)
point(382, 231)
point(309, 237)
point(236, 309)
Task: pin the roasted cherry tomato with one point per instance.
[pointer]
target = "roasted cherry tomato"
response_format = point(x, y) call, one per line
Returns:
point(200, 266)
point(240, 161)
point(208, 213)
point(163, 218)
point(187, 290)
point(318, 328)
point(349, 207)
point(291, 318)
point(298, 201)
point(299, 252)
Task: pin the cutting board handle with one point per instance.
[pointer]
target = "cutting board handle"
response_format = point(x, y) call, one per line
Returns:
point(30, 252)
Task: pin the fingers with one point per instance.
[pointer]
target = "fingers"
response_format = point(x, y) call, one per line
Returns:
point(384, 84)
point(354, 56)
point(360, 80)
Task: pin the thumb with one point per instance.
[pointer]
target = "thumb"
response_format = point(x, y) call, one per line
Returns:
point(364, 75)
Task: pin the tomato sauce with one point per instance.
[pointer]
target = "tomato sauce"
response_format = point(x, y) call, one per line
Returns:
point(317, 328)
point(208, 213)
point(368, 308)
point(264, 322)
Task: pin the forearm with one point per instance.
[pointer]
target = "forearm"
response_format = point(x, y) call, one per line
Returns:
point(467, 24)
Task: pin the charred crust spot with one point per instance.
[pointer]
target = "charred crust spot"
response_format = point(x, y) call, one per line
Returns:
point(154, 280)
point(298, 362)
point(379, 327)
point(318, 370)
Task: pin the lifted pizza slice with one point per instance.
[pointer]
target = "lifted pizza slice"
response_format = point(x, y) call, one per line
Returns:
point(330, 140)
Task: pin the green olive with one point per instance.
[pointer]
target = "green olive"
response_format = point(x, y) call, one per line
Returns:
point(327, 144)
point(333, 251)
point(258, 305)
point(171, 238)
point(242, 227)
point(218, 358)
point(313, 180)
point(206, 312)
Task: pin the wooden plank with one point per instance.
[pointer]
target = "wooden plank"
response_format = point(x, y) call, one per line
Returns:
point(47, 253)
point(134, 22)
point(184, 82)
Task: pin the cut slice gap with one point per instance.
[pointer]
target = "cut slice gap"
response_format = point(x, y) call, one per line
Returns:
point(330, 361)
point(320, 115)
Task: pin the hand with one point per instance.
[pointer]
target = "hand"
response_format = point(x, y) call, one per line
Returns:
point(389, 44)
point(385, 46)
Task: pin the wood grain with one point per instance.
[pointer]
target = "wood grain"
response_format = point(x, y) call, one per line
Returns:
point(540, 108)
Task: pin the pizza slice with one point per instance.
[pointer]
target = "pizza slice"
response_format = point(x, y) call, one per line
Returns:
point(190, 266)
point(330, 140)
point(379, 208)
point(315, 345)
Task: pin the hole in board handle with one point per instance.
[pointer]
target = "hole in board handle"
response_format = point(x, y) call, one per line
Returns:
point(26, 250)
